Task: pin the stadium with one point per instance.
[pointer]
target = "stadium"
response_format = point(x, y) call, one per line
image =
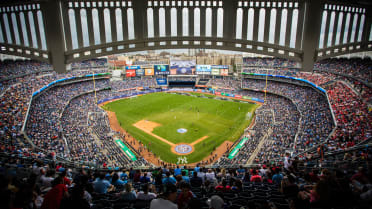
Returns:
point(186, 104)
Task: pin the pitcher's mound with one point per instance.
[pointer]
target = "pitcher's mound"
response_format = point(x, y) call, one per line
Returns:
point(181, 130)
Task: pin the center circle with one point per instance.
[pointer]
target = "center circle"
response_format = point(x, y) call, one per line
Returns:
point(181, 130)
point(183, 148)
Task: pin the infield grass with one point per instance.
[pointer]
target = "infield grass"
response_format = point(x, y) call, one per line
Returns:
point(217, 119)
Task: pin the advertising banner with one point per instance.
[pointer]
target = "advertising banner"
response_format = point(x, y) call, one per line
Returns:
point(237, 148)
point(215, 71)
point(182, 67)
point(161, 81)
point(126, 150)
point(238, 96)
point(224, 72)
point(149, 71)
point(140, 72)
point(161, 69)
point(132, 67)
point(203, 69)
point(131, 73)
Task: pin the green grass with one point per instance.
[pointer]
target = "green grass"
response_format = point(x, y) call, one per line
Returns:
point(220, 120)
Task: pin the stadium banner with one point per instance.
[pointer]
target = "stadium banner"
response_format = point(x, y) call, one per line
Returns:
point(203, 69)
point(281, 76)
point(238, 96)
point(126, 150)
point(149, 71)
point(245, 97)
point(182, 67)
point(132, 67)
point(65, 79)
point(140, 72)
point(224, 72)
point(161, 81)
point(161, 69)
point(215, 71)
point(237, 148)
point(217, 93)
point(130, 73)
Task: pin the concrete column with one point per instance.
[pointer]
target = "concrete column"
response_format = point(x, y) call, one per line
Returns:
point(367, 27)
point(79, 30)
point(255, 23)
point(113, 24)
point(140, 19)
point(312, 24)
point(124, 17)
point(54, 34)
point(202, 21)
point(214, 22)
point(267, 25)
point(278, 25)
point(90, 26)
point(245, 23)
point(229, 19)
point(191, 21)
point(155, 11)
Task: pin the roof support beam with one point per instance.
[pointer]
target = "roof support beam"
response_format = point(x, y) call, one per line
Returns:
point(54, 35)
point(311, 34)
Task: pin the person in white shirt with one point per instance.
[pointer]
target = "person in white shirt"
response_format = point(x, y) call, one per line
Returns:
point(286, 161)
point(210, 175)
point(145, 194)
point(167, 200)
point(201, 174)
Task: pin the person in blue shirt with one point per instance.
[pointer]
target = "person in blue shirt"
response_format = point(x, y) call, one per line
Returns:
point(177, 171)
point(124, 176)
point(241, 172)
point(197, 168)
point(168, 179)
point(185, 178)
point(116, 181)
point(144, 178)
point(278, 177)
point(101, 185)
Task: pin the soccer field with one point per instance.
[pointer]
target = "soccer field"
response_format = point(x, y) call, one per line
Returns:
point(163, 118)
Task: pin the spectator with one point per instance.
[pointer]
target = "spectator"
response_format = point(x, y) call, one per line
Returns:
point(145, 194)
point(101, 185)
point(196, 181)
point(167, 199)
point(53, 198)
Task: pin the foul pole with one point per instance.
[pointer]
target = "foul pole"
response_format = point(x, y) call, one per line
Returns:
point(267, 73)
point(94, 86)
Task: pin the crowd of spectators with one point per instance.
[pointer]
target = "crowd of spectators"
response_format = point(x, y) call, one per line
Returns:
point(269, 62)
point(291, 183)
point(352, 115)
point(357, 67)
point(92, 63)
point(316, 119)
point(271, 127)
point(144, 82)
